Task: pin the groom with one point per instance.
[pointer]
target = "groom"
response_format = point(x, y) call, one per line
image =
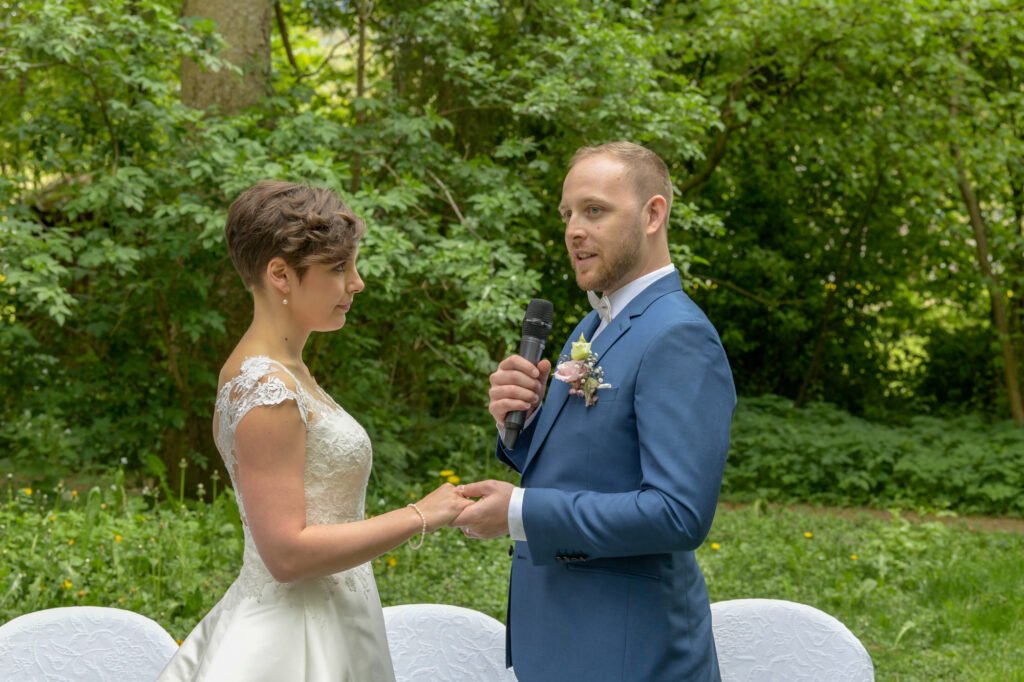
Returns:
point(615, 495)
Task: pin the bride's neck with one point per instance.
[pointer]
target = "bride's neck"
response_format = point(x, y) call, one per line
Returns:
point(273, 332)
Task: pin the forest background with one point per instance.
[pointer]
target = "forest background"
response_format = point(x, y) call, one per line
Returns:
point(849, 212)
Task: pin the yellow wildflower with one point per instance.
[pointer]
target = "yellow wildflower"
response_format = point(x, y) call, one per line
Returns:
point(853, 557)
point(71, 541)
point(74, 493)
point(447, 472)
point(454, 480)
point(27, 491)
point(392, 561)
point(117, 538)
point(67, 584)
point(808, 535)
point(81, 593)
point(715, 546)
point(103, 505)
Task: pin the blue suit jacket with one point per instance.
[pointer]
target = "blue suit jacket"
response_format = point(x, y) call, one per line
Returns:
point(617, 498)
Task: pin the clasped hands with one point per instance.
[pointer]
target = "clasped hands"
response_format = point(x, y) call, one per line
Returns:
point(487, 517)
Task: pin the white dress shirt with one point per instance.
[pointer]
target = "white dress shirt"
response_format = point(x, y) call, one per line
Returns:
point(617, 301)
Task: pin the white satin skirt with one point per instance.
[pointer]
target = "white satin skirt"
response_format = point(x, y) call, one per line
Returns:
point(321, 629)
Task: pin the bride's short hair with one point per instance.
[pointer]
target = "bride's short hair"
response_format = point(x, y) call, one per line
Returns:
point(301, 224)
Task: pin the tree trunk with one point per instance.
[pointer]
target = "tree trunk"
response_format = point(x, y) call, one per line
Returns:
point(851, 245)
point(995, 291)
point(245, 27)
point(357, 159)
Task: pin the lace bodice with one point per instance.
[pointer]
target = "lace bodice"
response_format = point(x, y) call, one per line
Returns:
point(338, 456)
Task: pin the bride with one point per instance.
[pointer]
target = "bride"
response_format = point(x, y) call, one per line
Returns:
point(304, 605)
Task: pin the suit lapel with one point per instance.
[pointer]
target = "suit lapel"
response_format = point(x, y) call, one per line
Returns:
point(558, 392)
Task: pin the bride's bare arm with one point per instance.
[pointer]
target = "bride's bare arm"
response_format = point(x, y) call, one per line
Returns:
point(270, 444)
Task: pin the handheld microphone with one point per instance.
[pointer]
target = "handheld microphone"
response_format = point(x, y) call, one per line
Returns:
point(536, 327)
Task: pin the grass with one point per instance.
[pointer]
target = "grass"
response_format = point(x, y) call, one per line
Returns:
point(930, 601)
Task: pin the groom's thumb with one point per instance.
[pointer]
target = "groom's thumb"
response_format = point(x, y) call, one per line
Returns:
point(478, 489)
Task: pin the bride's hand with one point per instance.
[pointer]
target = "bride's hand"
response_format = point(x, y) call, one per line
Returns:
point(442, 506)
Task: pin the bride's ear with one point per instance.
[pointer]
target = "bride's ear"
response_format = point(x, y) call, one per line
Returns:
point(279, 276)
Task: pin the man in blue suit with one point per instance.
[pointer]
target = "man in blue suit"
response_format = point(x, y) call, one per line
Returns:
point(616, 493)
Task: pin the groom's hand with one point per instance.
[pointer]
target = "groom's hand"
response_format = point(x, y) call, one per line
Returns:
point(517, 385)
point(488, 517)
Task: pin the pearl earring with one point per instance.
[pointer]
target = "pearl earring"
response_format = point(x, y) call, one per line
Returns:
point(284, 301)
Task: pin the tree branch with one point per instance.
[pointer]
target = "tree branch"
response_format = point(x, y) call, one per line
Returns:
point(282, 28)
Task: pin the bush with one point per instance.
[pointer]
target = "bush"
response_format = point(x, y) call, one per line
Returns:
point(821, 454)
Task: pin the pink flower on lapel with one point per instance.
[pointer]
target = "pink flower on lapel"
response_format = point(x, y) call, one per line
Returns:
point(570, 371)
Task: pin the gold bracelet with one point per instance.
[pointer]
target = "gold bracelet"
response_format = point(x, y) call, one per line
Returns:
point(423, 532)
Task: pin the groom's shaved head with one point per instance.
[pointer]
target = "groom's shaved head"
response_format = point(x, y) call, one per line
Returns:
point(644, 168)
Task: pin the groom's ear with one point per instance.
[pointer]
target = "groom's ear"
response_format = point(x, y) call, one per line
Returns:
point(655, 214)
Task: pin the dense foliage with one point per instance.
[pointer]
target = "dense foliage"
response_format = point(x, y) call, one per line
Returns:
point(823, 455)
point(820, 217)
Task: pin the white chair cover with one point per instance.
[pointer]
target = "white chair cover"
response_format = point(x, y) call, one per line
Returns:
point(434, 642)
point(771, 640)
point(83, 644)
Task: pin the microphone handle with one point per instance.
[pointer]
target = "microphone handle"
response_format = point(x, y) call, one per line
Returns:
point(531, 348)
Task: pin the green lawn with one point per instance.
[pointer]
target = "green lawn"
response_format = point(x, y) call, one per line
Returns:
point(929, 601)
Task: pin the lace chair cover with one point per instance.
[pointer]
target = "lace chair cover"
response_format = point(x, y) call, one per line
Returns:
point(771, 640)
point(83, 644)
point(431, 642)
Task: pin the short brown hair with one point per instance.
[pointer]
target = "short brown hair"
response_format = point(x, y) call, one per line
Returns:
point(645, 168)
point(301, 224)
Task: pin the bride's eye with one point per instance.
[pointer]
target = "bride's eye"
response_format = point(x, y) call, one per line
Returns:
point(340, 267)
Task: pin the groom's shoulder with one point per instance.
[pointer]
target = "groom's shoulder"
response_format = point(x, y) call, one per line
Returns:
point(674, 308)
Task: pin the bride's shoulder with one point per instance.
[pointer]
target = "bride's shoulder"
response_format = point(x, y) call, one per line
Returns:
point(249, 381)
point(243, 369)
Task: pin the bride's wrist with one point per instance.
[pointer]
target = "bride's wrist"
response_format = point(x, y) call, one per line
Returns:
point(422, 528)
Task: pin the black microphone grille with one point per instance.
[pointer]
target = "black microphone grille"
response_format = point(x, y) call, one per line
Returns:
point(537, 320)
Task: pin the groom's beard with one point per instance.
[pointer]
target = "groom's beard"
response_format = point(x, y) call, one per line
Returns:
point(619, 262)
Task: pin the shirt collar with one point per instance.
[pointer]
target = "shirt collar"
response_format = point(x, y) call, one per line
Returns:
point(620, 298)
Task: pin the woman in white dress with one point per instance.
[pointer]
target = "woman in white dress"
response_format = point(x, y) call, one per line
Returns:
point(305, 605)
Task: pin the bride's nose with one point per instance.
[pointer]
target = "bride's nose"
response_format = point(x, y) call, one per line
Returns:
point(357, 284)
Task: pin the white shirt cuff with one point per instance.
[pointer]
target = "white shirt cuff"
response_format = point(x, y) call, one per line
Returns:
point(516, 531)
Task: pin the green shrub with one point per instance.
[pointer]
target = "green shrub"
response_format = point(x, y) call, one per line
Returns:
point(821, 454)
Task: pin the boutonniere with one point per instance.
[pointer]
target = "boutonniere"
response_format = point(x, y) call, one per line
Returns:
point(581, 371)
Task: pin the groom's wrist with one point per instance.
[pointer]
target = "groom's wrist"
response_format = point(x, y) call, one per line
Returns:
point(516, 530)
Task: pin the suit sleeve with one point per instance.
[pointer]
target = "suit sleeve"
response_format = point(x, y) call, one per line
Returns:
point(684, 401)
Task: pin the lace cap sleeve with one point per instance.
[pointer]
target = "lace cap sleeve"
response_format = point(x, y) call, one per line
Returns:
point(261, 382)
